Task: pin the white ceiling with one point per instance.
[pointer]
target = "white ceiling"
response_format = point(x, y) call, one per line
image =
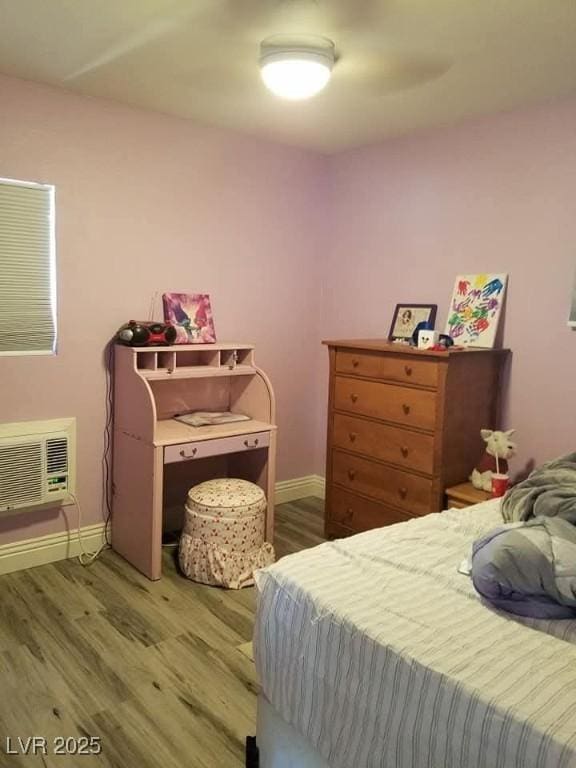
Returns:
point(403, 64)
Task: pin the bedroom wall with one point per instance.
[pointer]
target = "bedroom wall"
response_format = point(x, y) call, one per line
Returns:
point(147, 202)
point(495, 194)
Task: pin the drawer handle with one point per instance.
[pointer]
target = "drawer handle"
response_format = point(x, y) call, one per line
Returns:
point(353, 397)
point(404, 451)
point(352, 436)
point(355, 363)
point(406, 408)
point(190, 455)
point(403, 492)
point(248, 444)
point(349, 514)
point(351, 474)
point(408, 370)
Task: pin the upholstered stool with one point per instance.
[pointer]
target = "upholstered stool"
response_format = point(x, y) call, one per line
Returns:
point(223, 538)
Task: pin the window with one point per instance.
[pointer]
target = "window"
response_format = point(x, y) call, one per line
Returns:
point(27, 269)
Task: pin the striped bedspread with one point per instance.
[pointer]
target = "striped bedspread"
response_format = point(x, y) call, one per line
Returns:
point(380, 653)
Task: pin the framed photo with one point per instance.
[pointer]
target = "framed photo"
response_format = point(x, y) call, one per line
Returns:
point(406, 318)
point(191, 313)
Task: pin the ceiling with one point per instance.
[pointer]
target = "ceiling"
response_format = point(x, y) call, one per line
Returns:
point(403, 64)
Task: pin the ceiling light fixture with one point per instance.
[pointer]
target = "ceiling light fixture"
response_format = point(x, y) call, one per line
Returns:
point(296, 69)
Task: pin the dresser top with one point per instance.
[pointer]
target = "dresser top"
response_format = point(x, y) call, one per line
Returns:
point(383, 345)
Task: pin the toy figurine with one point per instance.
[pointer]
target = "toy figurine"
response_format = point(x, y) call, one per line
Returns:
point(499, 448)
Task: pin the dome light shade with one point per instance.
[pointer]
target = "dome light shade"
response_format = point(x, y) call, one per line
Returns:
point(296, 72)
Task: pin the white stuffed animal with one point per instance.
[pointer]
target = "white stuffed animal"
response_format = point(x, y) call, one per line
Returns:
point(498, 444)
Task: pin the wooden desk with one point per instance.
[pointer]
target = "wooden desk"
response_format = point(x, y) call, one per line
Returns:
point(464, 495)
point(157, 459)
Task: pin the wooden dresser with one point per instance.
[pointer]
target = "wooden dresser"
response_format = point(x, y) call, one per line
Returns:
point(403, 425)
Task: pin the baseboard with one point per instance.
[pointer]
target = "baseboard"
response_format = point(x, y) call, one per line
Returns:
point(300, 488)
point(59, 546)
point(48, 549)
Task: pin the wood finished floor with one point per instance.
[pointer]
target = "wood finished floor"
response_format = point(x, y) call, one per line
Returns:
point(152, 668)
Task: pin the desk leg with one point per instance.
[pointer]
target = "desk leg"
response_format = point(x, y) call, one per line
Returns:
point(271, 487)
point(137, 504)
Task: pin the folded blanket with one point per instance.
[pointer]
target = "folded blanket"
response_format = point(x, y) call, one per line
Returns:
point(549, 491)
point(528, 568)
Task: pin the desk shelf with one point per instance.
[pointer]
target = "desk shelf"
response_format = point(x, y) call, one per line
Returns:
point(157, 459)
point(191, 372)
point(169, 431)
point(185, 360)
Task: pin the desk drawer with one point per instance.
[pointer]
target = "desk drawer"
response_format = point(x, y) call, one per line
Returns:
point(359, 514)
point(401, 405)
point(412, 450)
point(406, 370)
point(409, 492)
point(200, 449)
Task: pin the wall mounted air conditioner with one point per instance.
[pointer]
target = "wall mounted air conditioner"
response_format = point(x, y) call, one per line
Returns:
point(37, 463)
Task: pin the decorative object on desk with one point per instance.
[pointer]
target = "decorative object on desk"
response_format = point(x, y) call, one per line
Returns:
point(191, 313)
point(210, 418)
point(427, 338)
point(142, 333)
point(408, 316)
point(222, 542)
point(499, 448)
point(500, 483)
point(424, 325)
point(444, 342)
point(475, 309)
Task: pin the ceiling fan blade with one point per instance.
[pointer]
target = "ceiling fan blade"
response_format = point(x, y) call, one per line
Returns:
point(319, 17)
point(153, 29)
point(391, 71)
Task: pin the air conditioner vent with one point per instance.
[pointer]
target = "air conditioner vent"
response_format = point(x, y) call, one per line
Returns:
point(57, 456)
point(37, 463)
point(20, 475)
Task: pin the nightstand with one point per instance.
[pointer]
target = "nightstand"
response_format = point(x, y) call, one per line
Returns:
point(464, 495)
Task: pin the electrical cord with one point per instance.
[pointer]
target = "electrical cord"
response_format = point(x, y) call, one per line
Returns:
point(87, 558)
point(84, 558)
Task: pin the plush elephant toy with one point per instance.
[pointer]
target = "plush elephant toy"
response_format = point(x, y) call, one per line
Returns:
point(498, 444)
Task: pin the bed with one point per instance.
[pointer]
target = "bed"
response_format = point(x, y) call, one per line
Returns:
point(375, 651)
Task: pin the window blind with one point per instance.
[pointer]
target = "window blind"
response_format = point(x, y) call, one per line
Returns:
point(27, 268)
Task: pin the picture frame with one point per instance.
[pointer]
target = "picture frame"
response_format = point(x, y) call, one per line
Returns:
point(191, 314)
point(407, 316)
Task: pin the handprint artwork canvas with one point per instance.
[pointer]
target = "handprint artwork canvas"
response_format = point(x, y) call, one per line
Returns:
point(475, 309)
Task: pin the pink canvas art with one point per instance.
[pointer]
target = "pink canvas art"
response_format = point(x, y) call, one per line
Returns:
point(191, 313)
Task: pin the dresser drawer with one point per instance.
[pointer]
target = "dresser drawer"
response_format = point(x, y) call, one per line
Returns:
point(394, 444)
point(359, 514)
point(200, 449)
point(406, 370)
point(394, 486)
point(401, 405)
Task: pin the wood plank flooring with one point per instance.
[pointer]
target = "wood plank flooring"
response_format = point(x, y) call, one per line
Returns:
point(151, 668)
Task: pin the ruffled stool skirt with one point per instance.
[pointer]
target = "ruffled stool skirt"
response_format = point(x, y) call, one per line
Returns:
point(222, 543)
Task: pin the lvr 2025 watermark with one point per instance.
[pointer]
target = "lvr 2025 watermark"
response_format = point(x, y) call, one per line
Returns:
point(59, 745)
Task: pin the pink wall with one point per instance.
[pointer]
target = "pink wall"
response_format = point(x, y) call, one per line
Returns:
point(147, 202)
point(293, 247)
point(496, 194)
